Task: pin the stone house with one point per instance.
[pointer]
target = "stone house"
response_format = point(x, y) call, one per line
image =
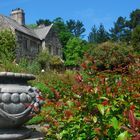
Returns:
point(31, 41)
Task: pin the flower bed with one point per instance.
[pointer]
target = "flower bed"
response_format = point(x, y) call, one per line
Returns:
point(89, 105)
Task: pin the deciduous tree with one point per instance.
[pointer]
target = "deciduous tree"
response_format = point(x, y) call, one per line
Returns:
point(74, 51)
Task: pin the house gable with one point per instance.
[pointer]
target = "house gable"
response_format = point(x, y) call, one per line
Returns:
point(53, 43)
point(50, 40)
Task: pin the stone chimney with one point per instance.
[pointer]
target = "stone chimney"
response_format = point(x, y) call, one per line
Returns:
point(18, 15)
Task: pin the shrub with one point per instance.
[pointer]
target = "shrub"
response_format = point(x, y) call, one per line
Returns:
point(89, 105)
point(7, 45)
point(136, 38)
point(110, 55)
point(34, 67)
point(44, 59)
point(56, 60)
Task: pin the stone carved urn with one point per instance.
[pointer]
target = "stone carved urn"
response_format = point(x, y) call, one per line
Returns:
point(18, 103)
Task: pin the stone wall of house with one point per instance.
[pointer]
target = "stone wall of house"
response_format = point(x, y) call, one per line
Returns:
point(28, 47)
point(53, 44)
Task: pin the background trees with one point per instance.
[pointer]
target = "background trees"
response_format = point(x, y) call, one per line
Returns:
point(71, 33)
point(45, 22)
point(99, 35)
point(136, 38)
point(62, 30)
point(74, 51)
point(75, 27)
point(123, 28)
point(120, 30)
point(134, 19)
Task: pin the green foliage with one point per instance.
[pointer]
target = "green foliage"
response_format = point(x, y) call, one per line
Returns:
point(109, 55)
point(123, 136)
point(120, 31)
point(24, 66)
point(136, 38)
point(92, 38)
point(134, 18)
point(8, 66)
point(74, 51)
point(56, 60)
point(35, 120)
point(33, 67)
point(98, 35)
point(7, 45)
point(32, 26)
point(29, 66)
point(86, 105)
point(62, 31)
point(43, 59)
point(75, 27)
point(46, 91)
point(102, 34)
point(45, 22)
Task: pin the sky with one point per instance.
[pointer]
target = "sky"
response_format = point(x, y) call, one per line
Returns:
point(90, 12)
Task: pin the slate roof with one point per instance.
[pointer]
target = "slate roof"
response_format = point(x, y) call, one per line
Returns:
point(39, 33)
point(43, 31)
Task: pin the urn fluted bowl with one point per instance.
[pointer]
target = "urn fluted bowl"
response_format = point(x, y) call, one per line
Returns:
point(18, 101)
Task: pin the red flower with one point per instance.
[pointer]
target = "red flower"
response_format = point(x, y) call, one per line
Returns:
point(136, 137)
point(56, 123)
point(68, 113)
point(136, 95)
point(40, 97)
point(59, 104)
point(57, 95)
point(84, 65)
point(79, 78)
point(138, 123)
point(102, 80)
point(119, 83)
point(125, 113)
point(132, 119)
point(78, 103)
point(104, 103)
point(108, 89)
point(132, 107)
point(98, 130)
point(88, 88)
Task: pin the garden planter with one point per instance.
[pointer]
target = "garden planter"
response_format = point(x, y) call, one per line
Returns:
point(18, 103)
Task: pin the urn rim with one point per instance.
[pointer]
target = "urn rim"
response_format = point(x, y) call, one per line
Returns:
point(17, 75)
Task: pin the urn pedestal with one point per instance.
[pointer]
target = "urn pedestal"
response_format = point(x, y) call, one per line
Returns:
point(18, 103)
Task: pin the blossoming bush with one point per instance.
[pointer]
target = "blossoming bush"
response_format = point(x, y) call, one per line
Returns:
point(89, 105)
point(110, 55)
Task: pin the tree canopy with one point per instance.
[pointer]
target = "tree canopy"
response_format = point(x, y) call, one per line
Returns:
point(45, 22)
point(99, 35)
point(74, 51)
point(76, 27)
point(134, 18)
